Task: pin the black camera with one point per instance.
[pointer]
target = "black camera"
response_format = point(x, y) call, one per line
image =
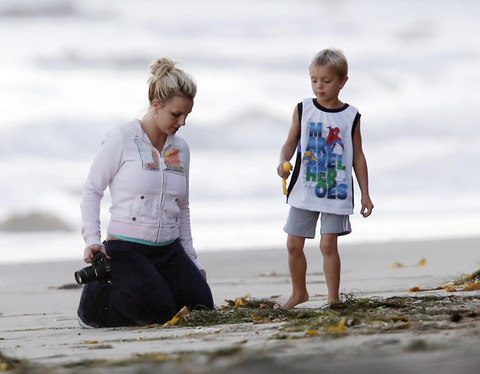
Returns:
point(99, 271)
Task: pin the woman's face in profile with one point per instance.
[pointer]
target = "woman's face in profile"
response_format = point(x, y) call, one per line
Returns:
point(173, 114)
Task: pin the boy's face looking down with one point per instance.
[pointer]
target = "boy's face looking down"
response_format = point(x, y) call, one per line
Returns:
point(326, 85)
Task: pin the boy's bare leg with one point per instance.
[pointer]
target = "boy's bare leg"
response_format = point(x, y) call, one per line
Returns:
point(297, 264)
point(331, 265)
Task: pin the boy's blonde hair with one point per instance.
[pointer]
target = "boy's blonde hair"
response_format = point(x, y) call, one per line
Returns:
point(167, 81)
point(333, 58)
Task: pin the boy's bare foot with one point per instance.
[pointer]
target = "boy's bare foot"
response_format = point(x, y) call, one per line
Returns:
point(294, 300)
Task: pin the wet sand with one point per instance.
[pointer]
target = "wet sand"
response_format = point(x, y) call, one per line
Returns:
point(38, 324)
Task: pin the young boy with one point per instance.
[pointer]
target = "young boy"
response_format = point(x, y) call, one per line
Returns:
point(326, 134)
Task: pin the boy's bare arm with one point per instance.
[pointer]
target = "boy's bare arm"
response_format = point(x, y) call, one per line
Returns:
point(290, 146)
point(361, 172)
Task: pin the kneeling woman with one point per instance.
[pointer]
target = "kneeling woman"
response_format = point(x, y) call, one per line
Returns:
point(154, 267)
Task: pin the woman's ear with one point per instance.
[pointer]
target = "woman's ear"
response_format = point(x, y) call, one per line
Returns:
point(155, 103)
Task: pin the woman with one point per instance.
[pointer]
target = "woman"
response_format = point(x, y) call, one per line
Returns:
point(154, 267)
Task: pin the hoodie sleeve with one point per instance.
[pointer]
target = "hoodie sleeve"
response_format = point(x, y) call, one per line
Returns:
point(104, 167)
point(184, 204)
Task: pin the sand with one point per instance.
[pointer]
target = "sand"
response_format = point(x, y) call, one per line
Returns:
point(38, 324)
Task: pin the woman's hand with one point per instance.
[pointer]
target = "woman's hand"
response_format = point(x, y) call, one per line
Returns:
point(91, 250)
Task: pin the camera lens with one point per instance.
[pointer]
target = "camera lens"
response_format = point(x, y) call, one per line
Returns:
point(85, 275)
point(80, 276)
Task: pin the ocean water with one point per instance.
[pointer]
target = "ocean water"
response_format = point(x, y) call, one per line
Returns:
point(71, 70)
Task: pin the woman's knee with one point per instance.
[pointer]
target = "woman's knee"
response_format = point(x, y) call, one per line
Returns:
point(195, 293)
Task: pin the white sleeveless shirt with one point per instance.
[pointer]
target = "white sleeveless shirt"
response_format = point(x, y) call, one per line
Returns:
point(324, 180)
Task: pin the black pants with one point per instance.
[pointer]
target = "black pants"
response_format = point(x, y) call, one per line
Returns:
point(148, 285)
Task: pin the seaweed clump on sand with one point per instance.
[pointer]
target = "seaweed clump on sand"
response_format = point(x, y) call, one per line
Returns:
point(466, 283)
point(469, 282)
point(243, 310)
point(351, 315)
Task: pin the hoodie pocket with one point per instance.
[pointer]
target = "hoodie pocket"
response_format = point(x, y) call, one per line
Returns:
point(172, 211)
point(146, 210)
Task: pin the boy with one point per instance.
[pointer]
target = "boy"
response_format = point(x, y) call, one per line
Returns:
point(327, 134)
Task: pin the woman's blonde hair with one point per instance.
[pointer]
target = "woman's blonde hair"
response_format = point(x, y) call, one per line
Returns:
point(166, 81)
point(333, 58)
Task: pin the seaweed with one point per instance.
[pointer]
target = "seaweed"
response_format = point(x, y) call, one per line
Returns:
point(470, 282)
point(351, 314)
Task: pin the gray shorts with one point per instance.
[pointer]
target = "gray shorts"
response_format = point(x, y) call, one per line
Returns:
point(301, 222)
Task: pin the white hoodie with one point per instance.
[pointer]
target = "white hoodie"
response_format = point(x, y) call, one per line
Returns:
point(149, 189)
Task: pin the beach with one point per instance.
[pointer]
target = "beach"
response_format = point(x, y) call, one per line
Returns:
point(75, 70)
point(39, 331)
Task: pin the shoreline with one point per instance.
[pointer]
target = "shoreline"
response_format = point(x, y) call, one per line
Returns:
point(38, 317)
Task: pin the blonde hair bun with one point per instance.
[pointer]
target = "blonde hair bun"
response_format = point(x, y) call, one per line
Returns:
point(166, 81)
point(161, 66)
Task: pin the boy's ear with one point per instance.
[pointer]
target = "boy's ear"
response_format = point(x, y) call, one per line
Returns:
point(344, 81)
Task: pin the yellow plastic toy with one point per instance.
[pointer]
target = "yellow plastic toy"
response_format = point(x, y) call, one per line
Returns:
point(287, 167)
